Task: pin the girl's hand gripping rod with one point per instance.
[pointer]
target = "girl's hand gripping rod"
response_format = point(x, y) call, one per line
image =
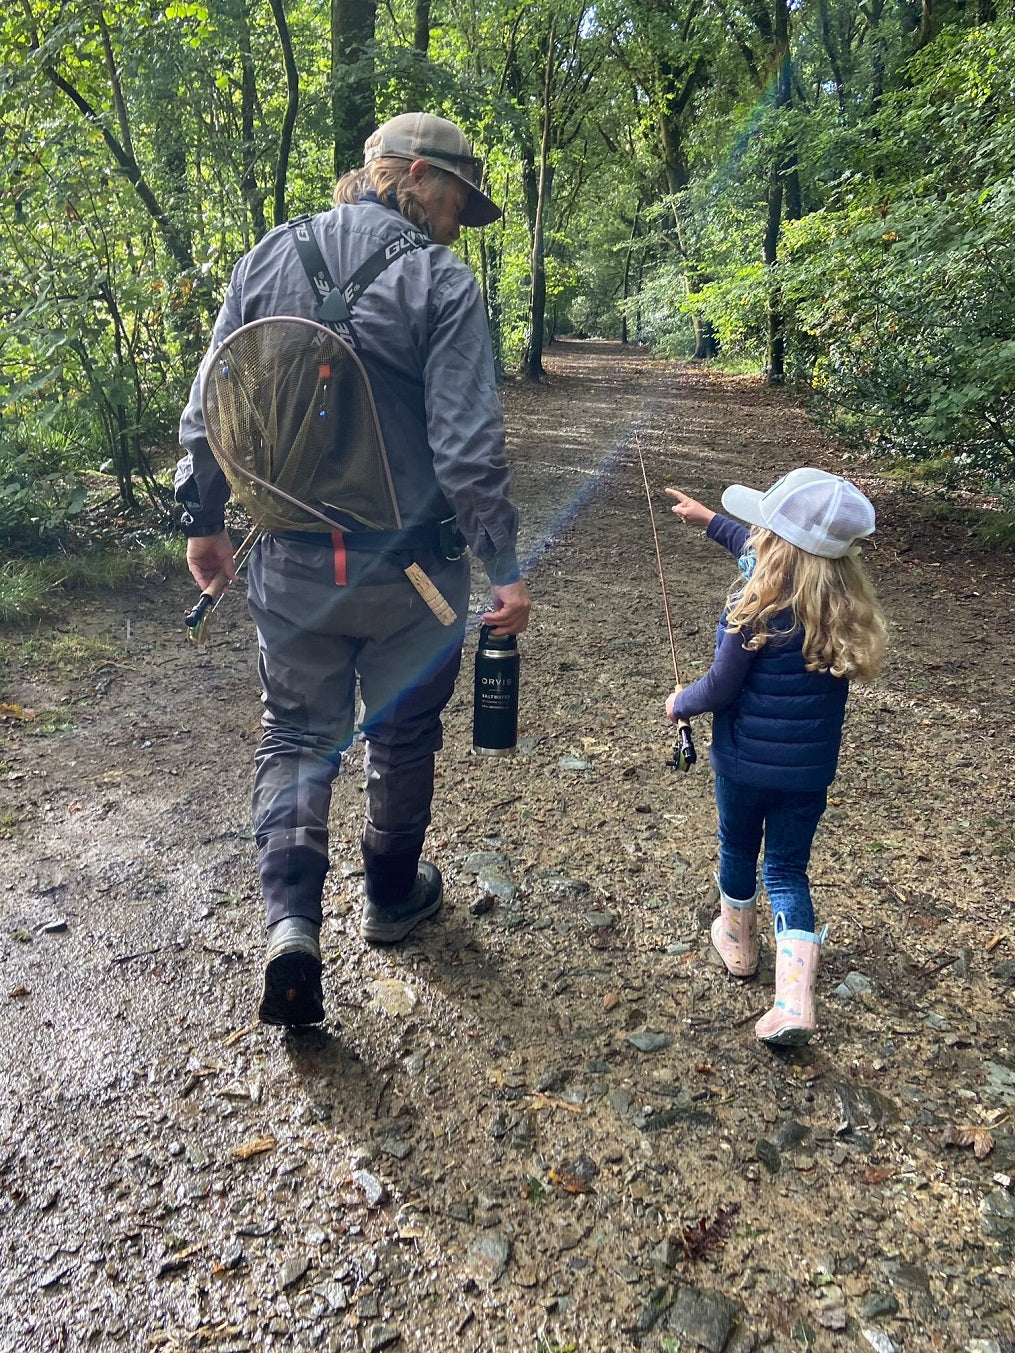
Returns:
point(684, 755)
point(198, 619)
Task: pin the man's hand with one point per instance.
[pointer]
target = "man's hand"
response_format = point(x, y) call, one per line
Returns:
point(208, 556)
point(689, 510)
point(509, 613)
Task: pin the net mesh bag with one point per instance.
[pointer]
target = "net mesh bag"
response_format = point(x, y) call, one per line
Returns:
point(291, 419)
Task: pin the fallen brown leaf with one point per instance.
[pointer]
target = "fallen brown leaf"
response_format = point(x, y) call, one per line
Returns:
point(256, 1146)
point(877, 1174)
point(978, 1138)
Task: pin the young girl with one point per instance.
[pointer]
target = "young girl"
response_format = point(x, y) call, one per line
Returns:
point(801, 623)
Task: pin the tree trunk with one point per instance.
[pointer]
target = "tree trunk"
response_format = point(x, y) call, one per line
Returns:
point(537, 301)
point(353, 115)
point(292, 86)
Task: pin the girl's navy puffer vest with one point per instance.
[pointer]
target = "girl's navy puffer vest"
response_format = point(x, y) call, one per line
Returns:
point(784, 729)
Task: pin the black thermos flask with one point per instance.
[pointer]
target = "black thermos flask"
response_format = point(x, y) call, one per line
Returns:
point(495, 698)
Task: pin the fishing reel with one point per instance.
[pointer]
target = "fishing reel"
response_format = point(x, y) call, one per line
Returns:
point(684, 755)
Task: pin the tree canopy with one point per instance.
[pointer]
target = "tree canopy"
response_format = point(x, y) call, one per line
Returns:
point(819, 190)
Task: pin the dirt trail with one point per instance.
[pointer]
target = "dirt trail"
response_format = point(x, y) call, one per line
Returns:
point(544, 1123)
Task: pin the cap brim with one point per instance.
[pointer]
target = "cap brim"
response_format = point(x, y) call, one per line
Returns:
point(740, 501)
point(479, 210)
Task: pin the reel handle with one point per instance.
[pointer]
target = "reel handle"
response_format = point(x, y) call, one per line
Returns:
point(684, 755)
point(197, 619)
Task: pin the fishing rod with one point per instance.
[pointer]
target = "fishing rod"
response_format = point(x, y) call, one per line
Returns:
point(684, 755)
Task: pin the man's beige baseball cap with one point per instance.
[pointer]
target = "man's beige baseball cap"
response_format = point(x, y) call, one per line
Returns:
point(422, 136)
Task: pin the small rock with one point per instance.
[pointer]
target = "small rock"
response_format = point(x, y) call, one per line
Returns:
point(659, 1302)
point(648, 1041)
point(482, 903)
point(292, 1271)
point(790, 1134)
point(381, 1336)
point(768, 1153)
point(861, 1107)
point(853, 984)
point(879, 1305)
point(1001, 1081)
point(598, 920)
point(374, 1191)
point(493, 874)
point(395, 1147)
point(488, 1255)
point(573, 763)
point(54, 927)
point(832, 1318)
point(877, 1339)
point(666, 1253)
point(334, 1294)
point(706, 1319)
point(998, 1213)
point(393, 997)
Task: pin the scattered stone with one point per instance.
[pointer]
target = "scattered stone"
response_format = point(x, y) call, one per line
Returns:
point(938, 1023)
point(659, 1302)
point(482, 903)
point(877, 1338)
point(233, 1257)
point(396, 1147)
point(393, 997)
point(493, 874)
point(619, 1101)
point(861, 1107)
point(648, 1041)
point(334, 1294)
point(853, 984)
point(910, 1277)
point(704, 1318)
point(599, 920)
point(790, 1134)
point(292, 1271)
point(1005, 972)
point(832, 1318)
point(381, 1336)
point(562, 885)
point(1001, 1081)
point(56, 926)
point(573, 763)
point(488, 1255)
point(374, 1191)
point(878, 1306)
point(768, 1153)
point(679, 948)
point(666, 1253)
point(998, 1213)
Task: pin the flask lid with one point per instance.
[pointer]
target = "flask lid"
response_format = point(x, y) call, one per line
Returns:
point(503, 642)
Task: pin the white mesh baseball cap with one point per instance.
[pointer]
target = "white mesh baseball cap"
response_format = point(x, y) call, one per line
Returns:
point(819, 512)
point(422, 136)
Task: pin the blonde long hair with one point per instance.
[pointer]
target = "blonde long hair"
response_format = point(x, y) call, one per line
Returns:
point(388, 177)
point(832, 600)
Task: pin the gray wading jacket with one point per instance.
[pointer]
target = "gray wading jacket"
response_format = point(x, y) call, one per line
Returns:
point(424, 340)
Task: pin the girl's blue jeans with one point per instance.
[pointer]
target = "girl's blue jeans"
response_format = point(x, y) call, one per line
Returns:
point(787, 819)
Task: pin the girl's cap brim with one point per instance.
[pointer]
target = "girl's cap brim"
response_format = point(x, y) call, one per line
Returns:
point(740, 501)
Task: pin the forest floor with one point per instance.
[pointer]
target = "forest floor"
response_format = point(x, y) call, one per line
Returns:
point(544, 1122)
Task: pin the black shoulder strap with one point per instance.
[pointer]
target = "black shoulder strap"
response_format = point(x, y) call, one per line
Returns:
point(335, 303)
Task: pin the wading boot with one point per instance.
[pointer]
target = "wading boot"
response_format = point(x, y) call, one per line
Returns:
point(389, 922)
point(292, 974)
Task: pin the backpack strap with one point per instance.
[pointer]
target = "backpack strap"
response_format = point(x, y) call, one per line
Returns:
point(335, 303)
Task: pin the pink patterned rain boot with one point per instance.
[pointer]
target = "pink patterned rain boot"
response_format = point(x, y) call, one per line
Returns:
point(791, 1020)
point(735, 934)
